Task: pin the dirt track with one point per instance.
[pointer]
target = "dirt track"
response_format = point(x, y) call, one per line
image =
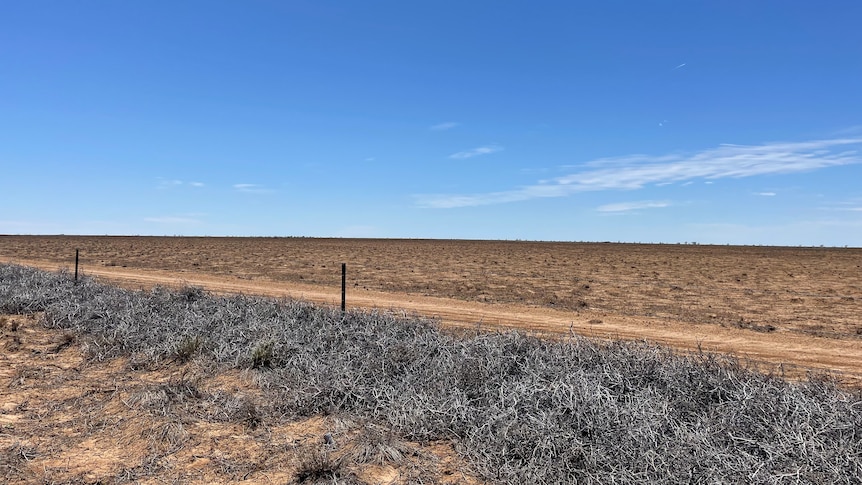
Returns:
point(775, 335)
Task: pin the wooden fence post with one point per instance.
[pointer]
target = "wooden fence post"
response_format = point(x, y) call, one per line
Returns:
point(343, 286)
point(76, 266)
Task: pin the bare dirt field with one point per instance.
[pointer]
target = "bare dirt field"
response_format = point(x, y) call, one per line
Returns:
point(795, 308)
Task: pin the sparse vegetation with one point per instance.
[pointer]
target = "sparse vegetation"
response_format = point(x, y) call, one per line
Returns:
point(12, 458)
point(520, 409)
point(318, 467)
point(261, 356)
point(187, 348)
point(380, 446)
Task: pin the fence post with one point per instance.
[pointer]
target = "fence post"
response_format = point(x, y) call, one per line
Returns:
point(343, 286)
point(76, 266)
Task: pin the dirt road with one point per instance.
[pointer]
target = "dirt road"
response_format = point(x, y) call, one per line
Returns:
point(791, 353)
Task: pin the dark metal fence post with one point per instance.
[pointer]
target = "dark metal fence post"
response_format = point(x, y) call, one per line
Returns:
point(343, 286)
point(76, 266)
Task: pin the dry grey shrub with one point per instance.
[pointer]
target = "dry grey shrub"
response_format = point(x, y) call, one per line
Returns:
point(241, 409)
point(166, 438)
point(380, 445)
point(25, 290)
point(520, 409)
point(162, 399)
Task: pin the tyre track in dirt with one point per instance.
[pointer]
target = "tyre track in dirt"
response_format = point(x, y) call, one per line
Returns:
point(781, 351)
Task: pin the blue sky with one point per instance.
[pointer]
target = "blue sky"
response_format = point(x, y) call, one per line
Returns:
point(717, 122)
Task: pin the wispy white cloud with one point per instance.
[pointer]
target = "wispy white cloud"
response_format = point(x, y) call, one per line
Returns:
point(167, 184)
point(766, 194)
point(849, 205)
point(171, 183)
point(679, 66)
point(636, 171)
point(252, 189)
point(445, 126)
point(485, 150)
point(633, 206)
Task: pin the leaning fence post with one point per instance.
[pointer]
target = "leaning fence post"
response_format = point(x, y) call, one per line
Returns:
point(343, 286)
point(76, 266)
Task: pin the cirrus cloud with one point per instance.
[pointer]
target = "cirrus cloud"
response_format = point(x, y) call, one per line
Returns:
point(171, 183)
point(632, 206)
point(483, 150)
point(252, 189)
point(637, 171)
